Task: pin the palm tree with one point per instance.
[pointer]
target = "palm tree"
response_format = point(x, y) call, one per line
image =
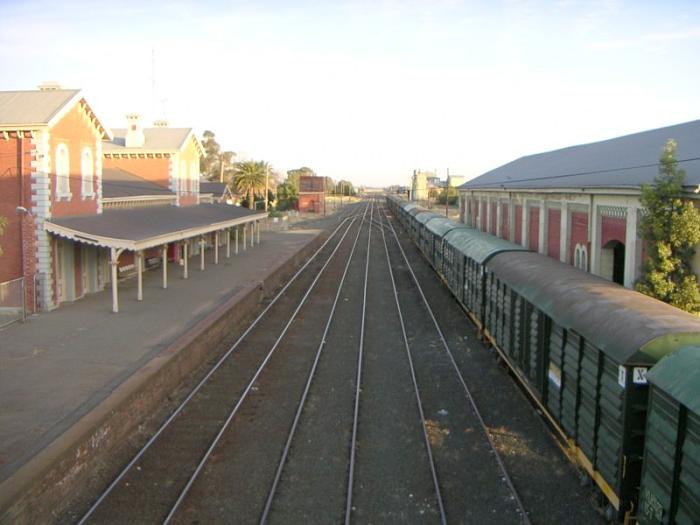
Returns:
point(249, 178)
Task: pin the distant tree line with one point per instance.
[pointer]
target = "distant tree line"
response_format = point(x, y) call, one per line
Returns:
point(247, 178)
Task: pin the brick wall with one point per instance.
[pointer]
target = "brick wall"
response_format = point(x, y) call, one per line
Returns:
point(155, 169)
point(612, 229)
point(534, 229)
point(553, 233)
point(77, 133)
point(494, 218)
point(505, 229)
point(518, 222)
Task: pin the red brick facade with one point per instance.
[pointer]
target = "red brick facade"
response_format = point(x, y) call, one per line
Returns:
point(518, 222)
point(534, 231)
point(612, 229)
point(312, 202)
point(505, 225)
point(18, 257)
point(553, 232)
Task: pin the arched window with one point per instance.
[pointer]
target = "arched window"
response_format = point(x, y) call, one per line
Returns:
point(581, 257)
point(62, 171)
point(87, 167)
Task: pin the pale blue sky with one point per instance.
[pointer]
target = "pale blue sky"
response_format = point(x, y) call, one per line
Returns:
point(370, 90)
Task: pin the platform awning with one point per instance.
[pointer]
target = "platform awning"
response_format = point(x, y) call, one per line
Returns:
point(142, 228)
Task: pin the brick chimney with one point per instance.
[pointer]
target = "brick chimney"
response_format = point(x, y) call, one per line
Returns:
point(134, 132)
point(49, 85)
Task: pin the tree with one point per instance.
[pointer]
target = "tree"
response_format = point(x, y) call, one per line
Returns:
point(3, 223)
point(293, 175)
point(345, 187)
point(287, 196)
point(249, 179)
point(215, 162)
point(671, 229)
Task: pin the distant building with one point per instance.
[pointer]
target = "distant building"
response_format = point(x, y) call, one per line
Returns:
point(581, 204)
point(312, 194)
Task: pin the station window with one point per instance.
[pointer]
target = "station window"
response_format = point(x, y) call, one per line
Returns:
point(88, 170)
point(62, 171)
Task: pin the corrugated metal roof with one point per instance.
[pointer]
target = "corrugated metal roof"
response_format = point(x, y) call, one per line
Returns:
point(25, 108)
point(441, 225)
point(678, 374)
point(479, 245)
point(630, 327)
point(117, 183)
point(425, 216)
point(622, 162)
point(140, 225)
point(165, 139)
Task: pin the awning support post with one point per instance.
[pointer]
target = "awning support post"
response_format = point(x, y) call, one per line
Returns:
point(139, 277)
point(186, 256)
point(201, 253)
point(165, 266)
point(216, 247)
point(236, 240)
point(114, 262)
point(245, 236)
point(228, 243)
point(258, 223)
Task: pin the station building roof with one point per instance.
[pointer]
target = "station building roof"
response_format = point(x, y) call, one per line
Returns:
point(142, 228)
point(119, 183)
point(622, 162)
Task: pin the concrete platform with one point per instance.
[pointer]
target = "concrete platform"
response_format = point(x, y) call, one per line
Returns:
point(59, 368)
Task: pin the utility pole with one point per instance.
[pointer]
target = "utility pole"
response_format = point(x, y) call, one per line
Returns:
point(267, 175)
point(447, 195)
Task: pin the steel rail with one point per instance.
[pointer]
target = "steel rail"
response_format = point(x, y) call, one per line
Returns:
point(358, 382)
point(523, 513)
point(309, 380)
point(199, 385)
point(419, 402)
point(248, 388)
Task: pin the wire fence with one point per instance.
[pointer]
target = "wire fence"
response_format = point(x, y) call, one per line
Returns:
point(12, 302)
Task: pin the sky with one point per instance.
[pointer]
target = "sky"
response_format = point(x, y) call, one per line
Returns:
point(368, 91)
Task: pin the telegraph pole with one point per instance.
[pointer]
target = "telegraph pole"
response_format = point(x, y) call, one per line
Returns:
point(267, 175)
point(447, 195)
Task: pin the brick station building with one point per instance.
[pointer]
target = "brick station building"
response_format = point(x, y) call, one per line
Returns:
point(85, 206)
point(581, 204)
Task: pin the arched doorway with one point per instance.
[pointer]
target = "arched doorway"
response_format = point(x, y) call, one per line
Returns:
point(612, 262)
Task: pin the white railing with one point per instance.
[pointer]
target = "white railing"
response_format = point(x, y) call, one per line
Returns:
point(12, 303)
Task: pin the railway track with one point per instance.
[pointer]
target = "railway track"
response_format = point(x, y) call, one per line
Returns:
point(155, 482)
point(341, 402)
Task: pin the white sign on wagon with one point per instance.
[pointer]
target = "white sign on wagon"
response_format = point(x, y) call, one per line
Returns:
point(622, 376)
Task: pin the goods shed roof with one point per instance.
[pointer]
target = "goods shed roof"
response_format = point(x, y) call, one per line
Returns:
point(678, 374)
point(141, 228)
point(622, 162)
point(479, 245)
point(630, 327)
